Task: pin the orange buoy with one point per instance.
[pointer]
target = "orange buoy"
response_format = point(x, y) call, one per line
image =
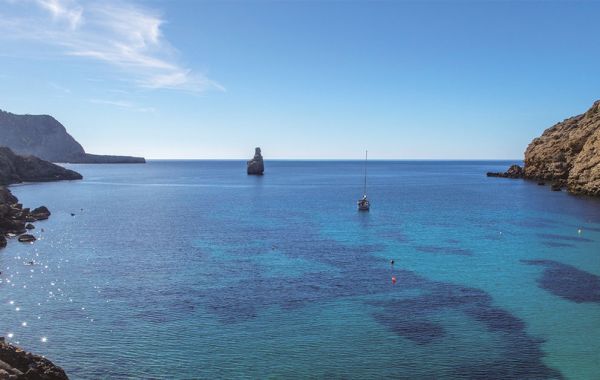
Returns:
point(393, 279)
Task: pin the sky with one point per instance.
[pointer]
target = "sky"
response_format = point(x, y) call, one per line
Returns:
point(301, 79)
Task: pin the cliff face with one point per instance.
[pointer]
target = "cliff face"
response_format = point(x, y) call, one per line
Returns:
point(44, 137)
point(568, 153)
point(38, 135)
point(15, 169)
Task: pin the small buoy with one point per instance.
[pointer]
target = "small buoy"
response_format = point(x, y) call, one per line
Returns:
point(392, 262)
point(393, 279)
point(579, 231)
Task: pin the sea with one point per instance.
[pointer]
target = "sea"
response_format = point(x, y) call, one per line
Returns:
point(195, 270)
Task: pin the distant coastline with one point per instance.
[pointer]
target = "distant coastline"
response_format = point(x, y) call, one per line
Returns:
point(45, 137)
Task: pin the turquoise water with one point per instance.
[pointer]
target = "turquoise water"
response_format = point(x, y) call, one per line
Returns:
point(191, 269)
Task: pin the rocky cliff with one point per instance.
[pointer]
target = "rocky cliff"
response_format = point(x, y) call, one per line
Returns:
point(568, 154)
point(16, 169)
point(44, 137)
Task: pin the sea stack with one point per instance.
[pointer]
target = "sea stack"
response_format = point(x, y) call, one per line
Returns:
point(256, 165)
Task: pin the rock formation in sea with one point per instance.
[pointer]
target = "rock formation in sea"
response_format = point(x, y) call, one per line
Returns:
point(16, 169)
point(21, 365)
point(515, 171)
point(15, 219)
point(256, 165)
point(568, 154)
point(44, 137)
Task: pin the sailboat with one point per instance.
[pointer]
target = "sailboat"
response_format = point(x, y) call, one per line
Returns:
point(363, 203)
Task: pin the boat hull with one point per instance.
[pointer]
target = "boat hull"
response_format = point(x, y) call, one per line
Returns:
point(363, 205)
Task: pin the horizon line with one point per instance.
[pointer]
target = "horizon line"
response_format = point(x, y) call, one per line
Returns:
point(337, 159)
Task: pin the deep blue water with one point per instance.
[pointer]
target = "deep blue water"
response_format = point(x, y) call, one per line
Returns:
point(192, 269)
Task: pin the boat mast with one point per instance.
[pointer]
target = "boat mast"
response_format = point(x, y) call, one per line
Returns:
point(365, 189)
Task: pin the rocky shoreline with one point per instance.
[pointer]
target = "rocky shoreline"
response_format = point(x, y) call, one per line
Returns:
point(18, 364)
point(15, 221)
point(567, 155)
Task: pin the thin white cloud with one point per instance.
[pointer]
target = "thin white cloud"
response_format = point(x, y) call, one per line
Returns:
point(59, 88)
point(122, 34)
point(123, 104)
point(63, 10)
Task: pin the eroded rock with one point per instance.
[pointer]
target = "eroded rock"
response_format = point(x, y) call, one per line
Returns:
point(18, 364)
point(16, 219)
point(256, 165)
point(515, 171)
point(568, 154)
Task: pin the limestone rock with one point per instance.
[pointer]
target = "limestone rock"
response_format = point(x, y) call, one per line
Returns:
point(256, 165)
point(568, 154)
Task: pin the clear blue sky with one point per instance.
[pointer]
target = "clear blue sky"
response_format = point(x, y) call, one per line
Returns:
point(203, 79)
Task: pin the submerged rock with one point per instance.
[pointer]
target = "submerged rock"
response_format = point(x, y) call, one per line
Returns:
point(256, 165)
point(567, 281)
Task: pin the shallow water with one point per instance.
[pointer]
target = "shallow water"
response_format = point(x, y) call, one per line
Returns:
point(191, 269)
